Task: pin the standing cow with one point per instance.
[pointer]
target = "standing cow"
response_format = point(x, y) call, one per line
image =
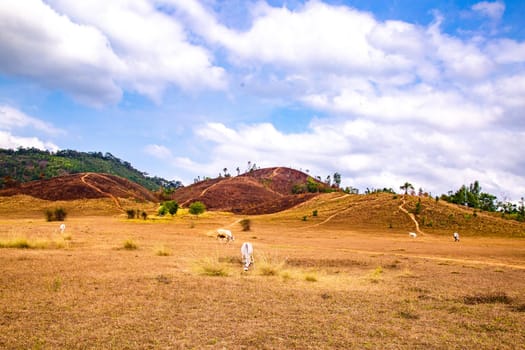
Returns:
point(247, 255)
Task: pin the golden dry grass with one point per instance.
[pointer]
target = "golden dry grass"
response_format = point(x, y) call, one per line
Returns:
point(313, 286)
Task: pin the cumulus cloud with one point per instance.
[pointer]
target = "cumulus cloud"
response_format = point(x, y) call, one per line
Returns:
point(14, 121)
point(370, 154)
point(402, 101)
point(96, 49)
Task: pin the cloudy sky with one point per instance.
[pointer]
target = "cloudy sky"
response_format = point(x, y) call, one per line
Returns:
point(382, 92)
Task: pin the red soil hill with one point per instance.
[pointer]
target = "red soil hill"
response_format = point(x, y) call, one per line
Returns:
point(81, 186)
point(260, 191)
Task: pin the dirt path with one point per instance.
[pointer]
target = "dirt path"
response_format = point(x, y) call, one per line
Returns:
point(106, 194)
point(334, 215)
point(411, 216)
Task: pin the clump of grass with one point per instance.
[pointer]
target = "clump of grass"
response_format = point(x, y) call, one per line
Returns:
point(163, 279)
point(489, 298)
point(162, 250)
point(376, 275)
point(519, 308)
point(270, 266)
point(409, 315)
point(21, 243)
point(212, 267)
point(310, 277)
point(24, 243)
point(56, 284)
point(130, 245)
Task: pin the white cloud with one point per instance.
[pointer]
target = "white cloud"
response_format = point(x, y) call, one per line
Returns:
point(9, 141)
point(95, 49)
point(13, 120)
point(493, 10)
point(158, 151)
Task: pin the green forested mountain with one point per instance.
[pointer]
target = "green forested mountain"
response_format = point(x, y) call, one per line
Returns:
point(30, 164)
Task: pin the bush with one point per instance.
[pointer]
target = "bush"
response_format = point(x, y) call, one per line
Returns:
point(197, 208)
point(314, 213)
point(59, 214)
point(245, 223)
point(130, 213)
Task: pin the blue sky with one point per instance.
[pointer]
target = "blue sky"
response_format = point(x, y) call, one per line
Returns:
point(382, 92)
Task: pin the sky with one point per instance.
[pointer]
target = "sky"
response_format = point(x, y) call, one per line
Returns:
point(381, 92)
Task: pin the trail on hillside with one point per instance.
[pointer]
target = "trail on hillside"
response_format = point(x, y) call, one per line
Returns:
point(113, 198)
point(411, 216)
point(334, 215)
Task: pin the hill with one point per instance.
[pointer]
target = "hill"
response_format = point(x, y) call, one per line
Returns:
point(81, 186)
point(25, 165)
point(383, 212)
point(259, 191)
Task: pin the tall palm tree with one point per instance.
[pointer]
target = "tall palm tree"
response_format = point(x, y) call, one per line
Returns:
point(406, 187)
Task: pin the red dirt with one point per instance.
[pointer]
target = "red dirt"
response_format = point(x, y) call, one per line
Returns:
point(260, 191)
point(82, 186)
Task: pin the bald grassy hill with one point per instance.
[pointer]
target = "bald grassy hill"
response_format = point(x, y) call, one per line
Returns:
point(380, 212)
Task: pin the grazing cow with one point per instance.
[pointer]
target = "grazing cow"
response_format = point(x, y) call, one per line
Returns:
point(412, 234)
point(456, 237)
point(62, 228)
point(225, 234)
point(247, 255)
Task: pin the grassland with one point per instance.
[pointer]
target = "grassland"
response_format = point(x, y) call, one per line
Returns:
point(348, 278)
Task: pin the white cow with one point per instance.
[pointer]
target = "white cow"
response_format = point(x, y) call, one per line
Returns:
point(456, 237)
point(247, 255)
point(62, 228)
point(225, 234)
point(412, 234)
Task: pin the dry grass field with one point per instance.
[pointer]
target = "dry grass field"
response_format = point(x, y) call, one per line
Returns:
point(348, 278)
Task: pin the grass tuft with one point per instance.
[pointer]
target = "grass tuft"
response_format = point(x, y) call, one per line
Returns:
point(130, 245)
point(489, 298)
point(212, 267)
point(24, 243)
point(270, 265)
point(162, 250)
point(310, 277)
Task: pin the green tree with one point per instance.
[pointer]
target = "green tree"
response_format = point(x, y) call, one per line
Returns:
point(197, 208)
point(171, 206)
point(337, 179)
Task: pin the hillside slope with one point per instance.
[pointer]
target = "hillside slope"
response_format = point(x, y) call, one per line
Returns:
point(81, 186)
point(381, 212)
point(260, 191)
point(25, 165)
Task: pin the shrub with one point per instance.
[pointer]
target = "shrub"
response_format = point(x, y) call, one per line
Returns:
point(59, 214)
point(245, 223)
point(144, 215)
point(130, 213)
point(197, 208)
point(314, 213)
point(162, 211)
